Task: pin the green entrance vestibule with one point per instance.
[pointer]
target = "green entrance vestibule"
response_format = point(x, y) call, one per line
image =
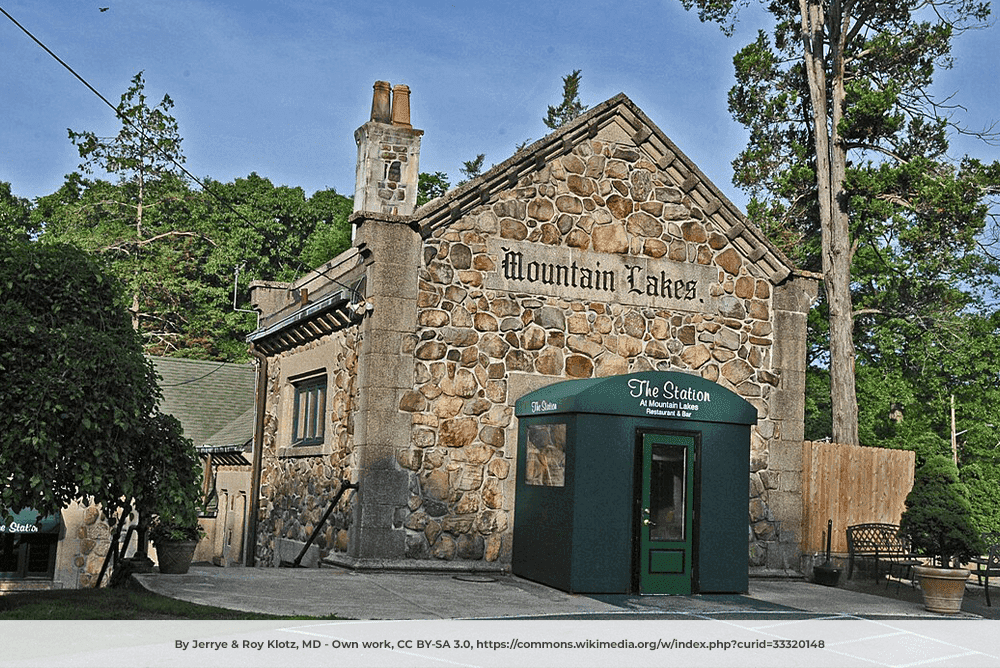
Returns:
point(633, 484)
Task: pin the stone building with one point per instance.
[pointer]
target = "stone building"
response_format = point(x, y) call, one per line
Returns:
point(597, 251)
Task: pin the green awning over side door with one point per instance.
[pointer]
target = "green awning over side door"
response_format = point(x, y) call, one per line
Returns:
point(28, 521)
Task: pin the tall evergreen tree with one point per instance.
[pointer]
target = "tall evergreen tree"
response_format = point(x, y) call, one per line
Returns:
point(847, 161)
point(177, 248)
point(472, 168)
point(570, 107)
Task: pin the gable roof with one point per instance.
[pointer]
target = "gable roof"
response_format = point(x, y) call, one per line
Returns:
point(621, 121)
point(207, 397)
point(237, 433)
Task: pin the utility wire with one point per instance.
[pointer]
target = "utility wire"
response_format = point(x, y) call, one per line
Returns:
point(195, 380)
point(61, 62)
point(171, 159)
point(141, 131)
point(128, 122)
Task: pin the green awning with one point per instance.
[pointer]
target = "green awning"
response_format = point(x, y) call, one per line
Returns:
point(656, 394)
point(29, 521)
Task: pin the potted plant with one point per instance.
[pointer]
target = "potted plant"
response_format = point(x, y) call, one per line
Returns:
point(175, 533)
point(938, 521)
point(171, 496)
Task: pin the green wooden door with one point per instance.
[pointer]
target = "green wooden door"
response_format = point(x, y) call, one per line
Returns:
point(666, 523)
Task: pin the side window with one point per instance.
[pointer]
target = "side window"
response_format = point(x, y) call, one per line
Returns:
point(309, 410)
point(28, 556)
point(546, 455)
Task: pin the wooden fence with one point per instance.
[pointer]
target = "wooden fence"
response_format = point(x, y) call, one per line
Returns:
point(851, 485)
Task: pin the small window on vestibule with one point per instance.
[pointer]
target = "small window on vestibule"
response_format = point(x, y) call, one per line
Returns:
point(546, 455)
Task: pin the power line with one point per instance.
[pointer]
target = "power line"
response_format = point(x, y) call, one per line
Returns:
point(127, 121)
point(60, 61)
point(195, 380)
point(168, 157)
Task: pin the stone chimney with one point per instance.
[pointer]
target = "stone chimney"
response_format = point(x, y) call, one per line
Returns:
point(388, 155)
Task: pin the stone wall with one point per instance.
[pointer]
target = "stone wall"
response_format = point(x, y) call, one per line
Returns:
point(298, 483)
point(94, 536)
point(472, 340)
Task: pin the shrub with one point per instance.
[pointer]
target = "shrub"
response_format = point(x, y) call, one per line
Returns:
point(938, 515)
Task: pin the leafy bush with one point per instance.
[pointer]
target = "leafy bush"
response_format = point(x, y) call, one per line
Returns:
point(80, 418)
point(77, 391)
point(983, 483)
point(938, 515)
point(171, 493)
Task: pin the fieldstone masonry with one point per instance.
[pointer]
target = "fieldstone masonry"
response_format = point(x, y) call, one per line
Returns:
point(600, 250)
point(94, 537)
point(297, 484)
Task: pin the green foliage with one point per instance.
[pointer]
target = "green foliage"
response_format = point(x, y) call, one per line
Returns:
point(79, 397)
point(15, 215)
point(331, 234)
point(170, 494)
point(148, 145)
point(472, 168)
point(570, 107)
point(921, 234)
point(844, 127)
point(938, 516)
point(431, 186)
point(818, 415)
point(177, 249)
point(180, 272)
point(983, 483)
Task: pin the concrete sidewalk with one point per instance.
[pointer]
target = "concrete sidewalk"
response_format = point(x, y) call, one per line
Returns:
point(394, 595)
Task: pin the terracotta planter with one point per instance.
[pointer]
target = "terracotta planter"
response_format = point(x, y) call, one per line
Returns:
point(175, 556)
point(943, 588)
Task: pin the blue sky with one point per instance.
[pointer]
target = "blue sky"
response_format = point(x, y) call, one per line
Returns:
point(278, 88)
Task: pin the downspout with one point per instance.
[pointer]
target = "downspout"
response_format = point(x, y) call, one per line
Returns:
point(250, 544)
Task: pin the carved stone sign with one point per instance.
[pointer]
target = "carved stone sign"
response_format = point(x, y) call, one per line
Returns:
point(574, 274)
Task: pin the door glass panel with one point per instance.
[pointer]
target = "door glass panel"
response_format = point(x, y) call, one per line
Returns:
point(666, 492)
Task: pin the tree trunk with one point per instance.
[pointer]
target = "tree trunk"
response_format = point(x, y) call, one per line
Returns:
point(831, 168)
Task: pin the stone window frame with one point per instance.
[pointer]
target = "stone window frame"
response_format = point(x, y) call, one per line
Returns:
point(309, 410)
point(295, 387)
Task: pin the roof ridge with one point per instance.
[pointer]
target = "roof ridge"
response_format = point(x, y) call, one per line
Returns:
point(742, 233)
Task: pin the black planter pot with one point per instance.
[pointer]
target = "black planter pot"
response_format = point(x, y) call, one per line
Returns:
point(174, 556)
point(826, 574)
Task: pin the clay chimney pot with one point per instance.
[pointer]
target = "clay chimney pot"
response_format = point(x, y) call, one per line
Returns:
point(380, 102)
point(401, 105)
